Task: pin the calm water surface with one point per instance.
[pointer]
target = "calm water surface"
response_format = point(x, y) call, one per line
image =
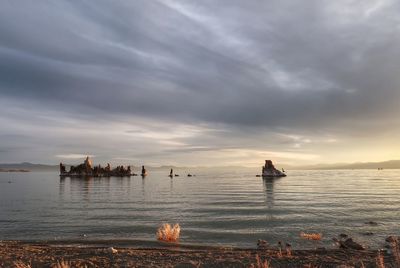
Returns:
point(222, 208)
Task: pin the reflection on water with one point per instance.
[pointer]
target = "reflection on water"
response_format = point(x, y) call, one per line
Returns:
point(62, 186)
point(171, 188)
point(269, 191)
point(219, 208)
point(82, 186)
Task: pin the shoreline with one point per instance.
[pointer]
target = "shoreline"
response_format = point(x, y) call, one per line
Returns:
point(48, 254)
point(14, 170)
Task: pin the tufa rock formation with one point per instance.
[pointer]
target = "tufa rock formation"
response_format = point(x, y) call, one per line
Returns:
point(87, 170)
point(269, 171)
point(144, 172)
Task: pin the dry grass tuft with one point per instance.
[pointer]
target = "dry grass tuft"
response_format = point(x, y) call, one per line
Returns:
point(279, 254)
point(169, 233)
point(396, 250)
point(380, 261)
point(259, 263)
point(59, 264)
point(311, 236)
point(289, 250)
point(309, 265)
point(21, 264)
point(62, 264)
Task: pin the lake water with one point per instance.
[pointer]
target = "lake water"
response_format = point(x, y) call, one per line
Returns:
point(222, 208)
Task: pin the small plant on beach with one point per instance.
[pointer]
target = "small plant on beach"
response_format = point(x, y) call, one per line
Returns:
point(394, 245)
point(311, 236)
point(21, 264)
point(380, 261)
point(168, 233)
point(279, 254)
point(396, 250)
point(62, 264)
point(260, 264)
point(288, 250)
point(309, 265)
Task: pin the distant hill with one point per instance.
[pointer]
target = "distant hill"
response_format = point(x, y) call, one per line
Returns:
point(391, 164)
point(28, 166)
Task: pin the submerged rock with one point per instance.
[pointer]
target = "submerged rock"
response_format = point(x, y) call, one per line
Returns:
point(351, 244)
point(367, 233)
point(343, 236)
point(262, 243)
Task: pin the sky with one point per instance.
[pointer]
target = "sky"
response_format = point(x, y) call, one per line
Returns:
point(199, 83)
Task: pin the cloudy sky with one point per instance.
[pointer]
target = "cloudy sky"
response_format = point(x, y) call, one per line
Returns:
point(200, 82)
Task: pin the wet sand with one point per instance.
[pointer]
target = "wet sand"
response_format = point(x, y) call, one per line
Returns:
point(90, 255)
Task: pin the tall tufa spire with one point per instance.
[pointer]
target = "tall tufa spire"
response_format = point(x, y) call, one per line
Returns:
point(88, 162)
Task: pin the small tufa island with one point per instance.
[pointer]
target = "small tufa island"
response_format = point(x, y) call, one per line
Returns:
point(269, 171)
point(88, 170)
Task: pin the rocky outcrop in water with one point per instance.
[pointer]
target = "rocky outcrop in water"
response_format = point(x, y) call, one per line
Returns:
point(144, 172)
point(88, 170)
point(269, 170)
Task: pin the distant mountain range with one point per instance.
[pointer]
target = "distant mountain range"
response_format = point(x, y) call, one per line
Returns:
point(28, 166)
point(391, 164)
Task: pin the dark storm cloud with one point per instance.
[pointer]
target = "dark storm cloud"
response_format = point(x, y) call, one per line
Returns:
point(292, 65)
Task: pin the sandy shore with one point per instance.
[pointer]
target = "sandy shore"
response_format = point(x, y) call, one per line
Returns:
point(34, 254)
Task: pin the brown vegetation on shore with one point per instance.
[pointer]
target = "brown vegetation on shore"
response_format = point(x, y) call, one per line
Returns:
point(29, 255)
point(21, 264)
point(169, 233)
point(259, 263)
point(312, 236)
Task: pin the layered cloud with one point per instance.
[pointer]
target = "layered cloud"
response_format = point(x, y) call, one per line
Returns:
point(180, 81)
